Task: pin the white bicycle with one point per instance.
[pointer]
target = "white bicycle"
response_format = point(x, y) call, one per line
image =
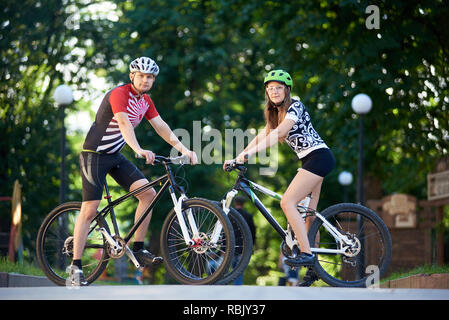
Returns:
point(347, 238)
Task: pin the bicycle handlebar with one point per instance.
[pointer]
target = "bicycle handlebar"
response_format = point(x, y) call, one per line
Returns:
point(175, 160)
point(235, 166)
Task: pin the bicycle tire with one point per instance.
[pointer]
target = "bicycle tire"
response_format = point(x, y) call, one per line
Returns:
point(339, 270)
point(243, 246)
point(53, 247)
point(197, 264)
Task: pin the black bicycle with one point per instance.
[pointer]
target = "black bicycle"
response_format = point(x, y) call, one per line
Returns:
point(352, 243)
point(194, 249)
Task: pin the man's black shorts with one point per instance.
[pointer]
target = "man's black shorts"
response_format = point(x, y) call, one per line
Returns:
point(95, 167)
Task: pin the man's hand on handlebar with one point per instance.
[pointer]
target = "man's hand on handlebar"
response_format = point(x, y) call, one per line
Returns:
point(228, 165)
point(192, 156)
point(147, 154)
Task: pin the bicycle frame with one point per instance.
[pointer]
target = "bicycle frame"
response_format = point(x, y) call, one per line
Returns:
point(246, 186)
point(166, 181)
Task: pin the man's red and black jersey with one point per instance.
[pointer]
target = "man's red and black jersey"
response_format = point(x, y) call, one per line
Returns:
point(104, 135)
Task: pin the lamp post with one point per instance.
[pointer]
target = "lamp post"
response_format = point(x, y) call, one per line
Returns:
point(345, 179)
point(361, 104)
point(63, 96)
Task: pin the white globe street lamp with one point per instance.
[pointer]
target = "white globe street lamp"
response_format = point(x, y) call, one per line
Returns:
point(361, 103)
point(63, 96)
point(345, 179)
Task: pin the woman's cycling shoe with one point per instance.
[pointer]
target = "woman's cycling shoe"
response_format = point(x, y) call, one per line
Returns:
point(302, 260)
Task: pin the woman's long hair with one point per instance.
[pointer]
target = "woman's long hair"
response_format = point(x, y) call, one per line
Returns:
point(274, 115)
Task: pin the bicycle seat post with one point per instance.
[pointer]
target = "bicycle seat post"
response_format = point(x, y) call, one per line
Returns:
point(111, 208)
point(108, 195)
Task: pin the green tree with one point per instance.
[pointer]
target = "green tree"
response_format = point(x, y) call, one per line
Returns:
point(402, 66)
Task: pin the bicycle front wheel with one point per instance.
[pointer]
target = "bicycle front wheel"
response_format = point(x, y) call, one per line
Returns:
point(202, 262)
point(243, 246)
point(368, 257)
point(54, 245)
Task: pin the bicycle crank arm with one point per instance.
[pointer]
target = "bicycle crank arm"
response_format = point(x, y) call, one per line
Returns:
point(131, 257)
point(114, 245)
point(328, 251)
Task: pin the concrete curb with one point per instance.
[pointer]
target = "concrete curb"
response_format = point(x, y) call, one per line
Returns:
point(21, 280)
point(238, 294)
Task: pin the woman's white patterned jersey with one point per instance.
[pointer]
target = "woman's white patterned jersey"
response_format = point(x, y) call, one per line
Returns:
point(302, 137)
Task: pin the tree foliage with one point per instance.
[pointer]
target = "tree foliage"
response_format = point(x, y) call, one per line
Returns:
point(43, 44)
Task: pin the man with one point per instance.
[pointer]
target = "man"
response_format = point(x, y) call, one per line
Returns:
point(121, 110)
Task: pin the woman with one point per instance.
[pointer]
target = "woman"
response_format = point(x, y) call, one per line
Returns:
point(288, 119)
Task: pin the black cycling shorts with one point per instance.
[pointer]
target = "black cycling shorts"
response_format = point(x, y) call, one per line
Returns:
point(320, 162)
point(95, 167)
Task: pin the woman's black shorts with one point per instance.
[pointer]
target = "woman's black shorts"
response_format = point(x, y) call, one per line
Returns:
point(95, 167)
point(319, 162)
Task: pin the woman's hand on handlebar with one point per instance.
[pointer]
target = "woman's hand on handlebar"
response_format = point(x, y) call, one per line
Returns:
point(228, 164)
point(241, 158)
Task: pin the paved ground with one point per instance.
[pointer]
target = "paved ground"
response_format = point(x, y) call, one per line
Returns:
point(184, 292)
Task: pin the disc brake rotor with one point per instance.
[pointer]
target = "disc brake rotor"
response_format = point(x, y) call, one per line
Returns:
point(201, 244)
point(68, 247)
point(355, 248)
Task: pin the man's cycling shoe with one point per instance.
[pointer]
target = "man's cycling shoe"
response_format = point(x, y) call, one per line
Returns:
point(309, 278)
point(76, 277)
point(145, 257)
point(302, 260)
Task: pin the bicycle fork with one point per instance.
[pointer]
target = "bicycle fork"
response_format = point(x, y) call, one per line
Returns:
point(226, 204)
point(182, 223)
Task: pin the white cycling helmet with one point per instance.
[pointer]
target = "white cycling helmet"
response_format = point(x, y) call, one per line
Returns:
point(144, 65)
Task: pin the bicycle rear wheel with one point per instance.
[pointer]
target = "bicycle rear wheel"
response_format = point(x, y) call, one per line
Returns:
point(372, 251)
point(202, 262)
point(54, 245)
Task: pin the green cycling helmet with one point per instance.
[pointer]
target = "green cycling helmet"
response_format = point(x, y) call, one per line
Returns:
point(279, 76)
